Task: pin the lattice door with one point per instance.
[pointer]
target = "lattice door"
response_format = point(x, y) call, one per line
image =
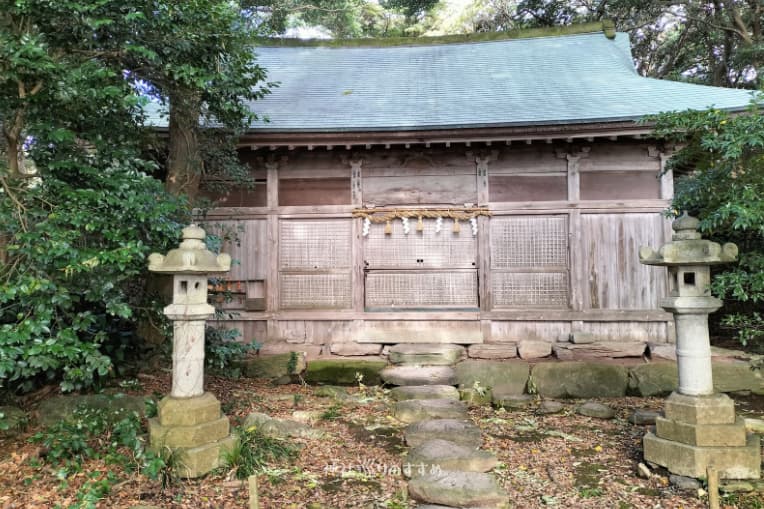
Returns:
point(315, 264)
point(529, 261)
point(421, 270)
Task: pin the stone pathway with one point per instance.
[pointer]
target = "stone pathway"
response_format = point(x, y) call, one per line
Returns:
point(445, 466)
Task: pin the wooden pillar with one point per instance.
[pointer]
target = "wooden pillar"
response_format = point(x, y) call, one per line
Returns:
point(483, 237)
point(272, 271)
point(356, 194)
point(576, 269)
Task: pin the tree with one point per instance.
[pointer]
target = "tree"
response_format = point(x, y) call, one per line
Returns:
point(725, 189)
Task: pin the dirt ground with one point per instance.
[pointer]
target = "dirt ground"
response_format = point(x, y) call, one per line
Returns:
point(562, 460)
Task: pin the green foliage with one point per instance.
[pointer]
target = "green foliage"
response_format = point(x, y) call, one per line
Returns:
point(222, 351)
point(726, 192)
point(255, 451)
point(333, 412)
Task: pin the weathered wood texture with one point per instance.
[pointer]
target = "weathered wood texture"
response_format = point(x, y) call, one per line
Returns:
point(552, 259)
point(615, 278)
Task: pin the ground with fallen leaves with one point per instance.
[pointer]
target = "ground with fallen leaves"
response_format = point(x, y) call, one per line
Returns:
point(563, 460)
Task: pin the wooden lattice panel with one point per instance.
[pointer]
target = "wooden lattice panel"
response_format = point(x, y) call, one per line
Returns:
point(315, 291)
point(422, 289)
point(523, 289)
point(436, 250)
point(529, 241)
point(314, 244)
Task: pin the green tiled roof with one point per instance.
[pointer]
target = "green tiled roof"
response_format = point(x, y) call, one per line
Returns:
point(515, 82)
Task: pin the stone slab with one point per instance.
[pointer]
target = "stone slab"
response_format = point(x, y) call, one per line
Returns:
point(415, 410)
point(706, 435)
point(533, 349)
point(511, 377)
point(274, 366)
point(344, 372)
point(476, 396)
point(188, 411)
point(61, 408)
point(351, 349)
point(458, 431)
point(714, 409)
point(187, 436)
point(582, 338)
point(271, 348)
point(599, 349)
point(425, 354)
point(198, 461)
point(654, 379)
point(573, 379)
point(596, 410)
point(501, 399)
point(693, 461)
point(424, 392)
point(492, 351)
point(459, 489)
point(418, 375)
point(447, 456)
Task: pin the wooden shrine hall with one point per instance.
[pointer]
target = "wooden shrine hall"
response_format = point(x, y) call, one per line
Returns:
point(459, 190)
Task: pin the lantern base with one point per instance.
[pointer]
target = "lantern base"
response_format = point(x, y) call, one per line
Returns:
point(196, 432)
point(702, 431)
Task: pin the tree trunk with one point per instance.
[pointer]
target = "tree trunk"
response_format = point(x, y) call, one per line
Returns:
point(184, 162)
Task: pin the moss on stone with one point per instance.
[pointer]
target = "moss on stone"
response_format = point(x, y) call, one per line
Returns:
point(579, 380)
point(273, 367)
point(343, 372)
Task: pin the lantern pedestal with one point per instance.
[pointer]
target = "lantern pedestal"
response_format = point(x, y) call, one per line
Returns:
point(699, 428)
point(195, 430)
point(701, 431)
point(189, 421)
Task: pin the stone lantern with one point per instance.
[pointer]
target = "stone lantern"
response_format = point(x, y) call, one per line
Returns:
point(189, 420)
point(699, 428)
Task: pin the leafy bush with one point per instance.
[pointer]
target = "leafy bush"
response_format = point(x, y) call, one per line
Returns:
point(255, 451)
point(722, 183)
point(77, 270)
point(223, 351)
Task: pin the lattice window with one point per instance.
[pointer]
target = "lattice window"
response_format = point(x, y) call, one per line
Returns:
point(425, 289)
point(436, 250)
point(530, 289)
point(314, 245)
point(315, 291)
point(315, 259)
point(529, 261)
point(529, 241)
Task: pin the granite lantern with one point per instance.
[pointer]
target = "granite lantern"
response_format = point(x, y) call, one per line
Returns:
point(699, 428)
point(189, 420)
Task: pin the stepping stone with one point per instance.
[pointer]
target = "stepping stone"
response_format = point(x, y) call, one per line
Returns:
point(415, 410)
point(416, 375)
point(425, 354)
point(446, 455)
point(460, 432)
point(511, 401)
point(551, 407)
point(597, 410)
point(459, 489)
point(424, 392)
point(642, 417)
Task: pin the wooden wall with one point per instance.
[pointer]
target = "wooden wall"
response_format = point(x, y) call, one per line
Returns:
point(558, 254)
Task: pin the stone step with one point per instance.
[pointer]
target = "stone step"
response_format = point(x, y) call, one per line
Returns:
point(458, 431)
point(416, 375)
point(445, 455)
point(424, 392)
point(415, 410)
point(459, 489)
point(425, 354)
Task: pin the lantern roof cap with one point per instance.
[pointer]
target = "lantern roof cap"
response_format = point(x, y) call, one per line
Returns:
point(191, 257)
point(688, 248)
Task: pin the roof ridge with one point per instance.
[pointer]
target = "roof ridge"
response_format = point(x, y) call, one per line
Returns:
point(607, 27)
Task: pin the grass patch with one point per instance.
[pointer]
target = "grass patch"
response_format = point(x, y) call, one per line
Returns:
point(255, 451)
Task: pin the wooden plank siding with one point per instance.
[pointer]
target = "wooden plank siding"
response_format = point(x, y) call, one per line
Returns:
point(605, 200)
